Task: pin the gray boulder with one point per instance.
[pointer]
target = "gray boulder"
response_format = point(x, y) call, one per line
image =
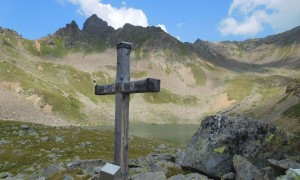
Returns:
point(219, 138)
point(245, 170)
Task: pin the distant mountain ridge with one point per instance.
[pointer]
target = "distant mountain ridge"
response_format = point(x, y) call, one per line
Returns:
point(97, 35)
point(281, 50)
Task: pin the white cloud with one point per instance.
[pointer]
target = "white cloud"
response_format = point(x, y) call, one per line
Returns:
point(177, 37)
point(163, 27)
point(179, 25)
point(115, 17)
point(248, 17)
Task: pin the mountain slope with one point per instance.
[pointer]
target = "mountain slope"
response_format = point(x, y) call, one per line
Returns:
point(55, 75)
point(281, 50)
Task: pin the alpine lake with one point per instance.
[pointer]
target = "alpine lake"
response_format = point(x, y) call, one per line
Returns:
point(177, 134)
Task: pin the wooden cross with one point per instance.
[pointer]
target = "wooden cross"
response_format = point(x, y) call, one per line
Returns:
point(122, 90)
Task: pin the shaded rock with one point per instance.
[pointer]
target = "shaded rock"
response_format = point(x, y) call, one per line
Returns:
point(291, 174)
point(196, 176)
point(88, 165)
point(245, 170)
point(282, 166)
point(229, 176)
point(293, 158)
point(134, 171)
point(97, 169)
point(219, 138)
point(269, 173)
point(50, 170)
point(150, 176)
point(153, 162)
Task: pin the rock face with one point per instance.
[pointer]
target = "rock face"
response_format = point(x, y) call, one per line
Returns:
point(219, 138)
point(245, 170)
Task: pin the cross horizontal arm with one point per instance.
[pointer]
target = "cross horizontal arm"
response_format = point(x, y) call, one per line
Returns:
point(140, 86)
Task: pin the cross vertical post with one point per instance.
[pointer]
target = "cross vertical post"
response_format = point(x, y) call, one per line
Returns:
point(122, 89)
point(122, 109)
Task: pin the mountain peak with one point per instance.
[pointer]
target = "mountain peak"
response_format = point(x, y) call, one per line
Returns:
point(95, 26)
point(73, 25)
point(94, 22)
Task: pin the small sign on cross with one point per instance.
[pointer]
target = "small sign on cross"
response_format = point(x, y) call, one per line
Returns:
point(122, 90)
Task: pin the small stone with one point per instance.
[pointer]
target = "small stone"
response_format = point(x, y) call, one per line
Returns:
point(59, 140)
point(52, 156)
point(50, 170)
point(31, 169)
point(41, 178)
point(162, 146)
point(3, 141)
point(196, 176)
point(22, 142)
point(228, 176)
point(4, 175)
point(67, 177)
point(24, 127)
point(150, 176)
point(34, 134)
point(97, 169)
point(44, 139)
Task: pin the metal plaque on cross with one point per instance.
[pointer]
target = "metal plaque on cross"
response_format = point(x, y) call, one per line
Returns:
point(122, 90)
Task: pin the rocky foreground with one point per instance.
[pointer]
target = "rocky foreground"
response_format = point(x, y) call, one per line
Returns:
point(224, 147)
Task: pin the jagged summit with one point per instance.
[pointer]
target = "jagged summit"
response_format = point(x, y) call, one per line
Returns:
point(97, 35)
point(95, 26)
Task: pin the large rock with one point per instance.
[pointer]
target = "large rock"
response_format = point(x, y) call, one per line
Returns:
point(219, 138)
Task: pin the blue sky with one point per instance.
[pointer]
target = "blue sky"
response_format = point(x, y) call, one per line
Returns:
point(213, 20)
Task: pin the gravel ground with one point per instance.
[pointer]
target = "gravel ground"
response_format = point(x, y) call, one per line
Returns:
point(15, 107)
